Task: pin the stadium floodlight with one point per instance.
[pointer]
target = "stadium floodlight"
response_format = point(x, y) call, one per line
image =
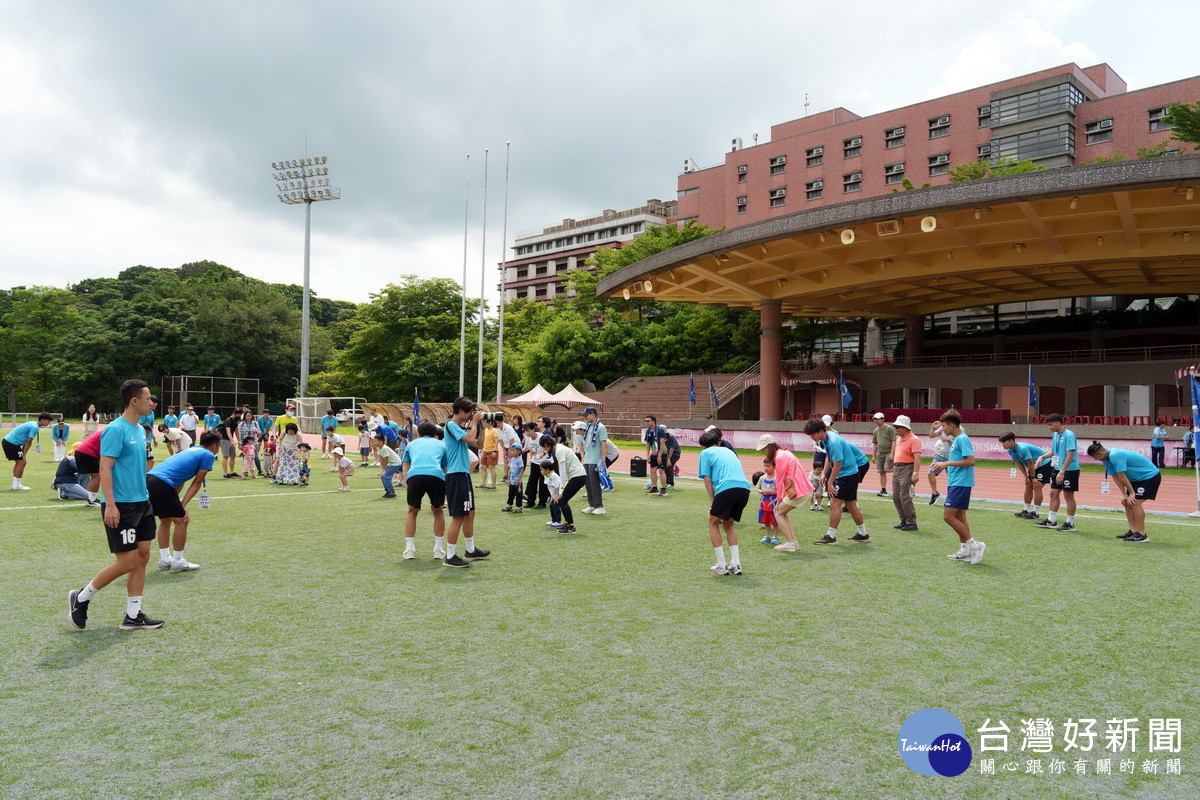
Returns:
point(303, 191)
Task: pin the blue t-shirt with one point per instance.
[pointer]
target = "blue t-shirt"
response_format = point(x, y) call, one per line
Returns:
point(182, 467)
point(839, 449)
point(22, 433)
point(327, 421)
point(264, 423)
point(211, 422)
point(147, 419)
point(126, 442)
point(171, 421)
point(1024, 452)
point(426, 456)
point(60, 433)
point(1158, 437)
point(723, 468)
point(960, 476)
point(654, 436)
point(1135, 465)
point(395, 426)
point(1060, 444)
point(458, 457)
point(515, 465)
point(389, 435)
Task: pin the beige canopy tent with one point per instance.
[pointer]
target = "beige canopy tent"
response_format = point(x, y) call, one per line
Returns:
point(535, 396)
point(570, 396)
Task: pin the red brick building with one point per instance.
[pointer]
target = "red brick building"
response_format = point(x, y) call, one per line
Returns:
point(1057, 117)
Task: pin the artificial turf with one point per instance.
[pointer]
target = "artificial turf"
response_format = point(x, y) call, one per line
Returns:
point(307, 659)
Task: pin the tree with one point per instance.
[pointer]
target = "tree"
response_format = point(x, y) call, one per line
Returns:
point(977, 170)
point(1185, 118)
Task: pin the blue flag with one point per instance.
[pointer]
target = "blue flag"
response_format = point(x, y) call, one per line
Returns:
point(416, 411)
point(1032, 390)
point(847, 398)
point(713, 392)
point(1195, 401)
point(692, 382)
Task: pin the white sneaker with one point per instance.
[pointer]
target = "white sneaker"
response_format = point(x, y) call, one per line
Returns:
point(20, 488)
point(343, 488)
point(977, 552)
point(181, 565)
point(164, 564)
point(409, 555)
point(333, 469)
point(588, 510)
point(599, 511)
point(717, 569)
point(552, 524)
point(959, 555)
point(439, 552)
point(788, 547)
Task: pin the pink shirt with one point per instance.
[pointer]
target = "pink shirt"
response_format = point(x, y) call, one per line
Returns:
point(787, 470)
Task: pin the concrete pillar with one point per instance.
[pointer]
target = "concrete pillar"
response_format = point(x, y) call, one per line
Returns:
point(1110, 400)
point(770, 396)
point(914, 336)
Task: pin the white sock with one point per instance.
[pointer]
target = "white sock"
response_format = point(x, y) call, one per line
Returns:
point(1029, 506)
point(720, 551)
point(133, 606)
point(179, 556)
point(1070, 519)
point(439, 542)
point(734, 558)
point(862, 530)
point(967, 545)
point(470, 542)
point(91, 497)
point(87, 593)
point(16, 483)
point(450, 549)
point(164, 553)
point(831, 533)
point(1052, 516)
point(410, 543)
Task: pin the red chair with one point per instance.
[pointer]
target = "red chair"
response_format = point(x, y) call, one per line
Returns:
point(1106, 421)
point(856, 418)
point(1081, 420)
point(1139, 421)
point(1119, 420)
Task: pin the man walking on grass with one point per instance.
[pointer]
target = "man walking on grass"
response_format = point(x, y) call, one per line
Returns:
point(461, 431)
point(960, 479)
point(884, 436)
point(125, 505)
point(906, 461)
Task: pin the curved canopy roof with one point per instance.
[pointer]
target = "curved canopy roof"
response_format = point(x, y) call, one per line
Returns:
point(1125, 227)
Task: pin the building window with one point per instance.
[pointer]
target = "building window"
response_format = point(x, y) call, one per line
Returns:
point(852, 147)
point(939, 164)
point(894, 137)
point(1098, 131)
point(741, 204)
point(1043, 143)
point(939, 127)
point(852, 182)
point(741, 173)
point(540, 270)
point(893, 173)
point(541, 291)
point(985, 151)
point(814, 156)
point(1039, 103)
point(693, 190)
point(778, 165)
point(813, 189)
point(1156, 119)
point(985, 116)
point(778, 197)
point(522, 273)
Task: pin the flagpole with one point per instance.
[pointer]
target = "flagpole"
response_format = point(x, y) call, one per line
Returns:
point(482, 280)
point(462, 327)
point(1195, 461)
point(841, 395)
point(503, 277)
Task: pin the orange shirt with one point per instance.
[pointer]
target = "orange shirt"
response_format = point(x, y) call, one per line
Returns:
point(908, 449)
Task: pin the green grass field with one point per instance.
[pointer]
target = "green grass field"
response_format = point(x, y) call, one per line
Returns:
point(307, 659)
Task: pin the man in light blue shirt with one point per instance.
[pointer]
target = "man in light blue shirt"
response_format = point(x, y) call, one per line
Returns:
point(327, 421)
point(845, 467)
point(426, 477)
point(1138, 479)
point(17, 443)
point(728, 492)
point(1024, 456)
point(960, 472)
point(163, 484)
point(461, 430)
point(1158, 444)
point(128, 517)
point(595, 435)
point(1064, 462)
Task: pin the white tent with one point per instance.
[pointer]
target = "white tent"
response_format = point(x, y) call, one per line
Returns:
point(534, 396)
point(571, 396)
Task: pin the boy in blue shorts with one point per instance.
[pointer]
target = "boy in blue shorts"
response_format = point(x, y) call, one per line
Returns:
point(1024, 456)
point(960, 479)
point(1137, 478)
point(728, 492)
point(17, 443)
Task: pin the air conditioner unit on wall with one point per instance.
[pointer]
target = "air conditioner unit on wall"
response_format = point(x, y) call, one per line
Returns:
point(942, 121)
point(817, 151)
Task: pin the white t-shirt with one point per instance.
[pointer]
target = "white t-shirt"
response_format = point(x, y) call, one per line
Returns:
point(188, 422)
point(568, 463)
point(554, 484)
point(177, 435)
point(508, 436)
point(346, 464)
point(337, 441)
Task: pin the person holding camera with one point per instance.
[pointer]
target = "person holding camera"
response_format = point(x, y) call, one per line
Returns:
point(461, 431)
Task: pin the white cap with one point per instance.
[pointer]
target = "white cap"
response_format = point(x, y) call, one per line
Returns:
point(764, 440)
point(828, 420)
point(710, 428)
point(878, 415)
point(338, 450)
point(903, 422)
point(579, 425)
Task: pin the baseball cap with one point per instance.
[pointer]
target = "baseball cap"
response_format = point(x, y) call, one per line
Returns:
point(338, 450)
point(579, 425)
point(590, 410)
point(765, 440)
point(710, 428)
point(878, 415)
point(903, 422)
point(828, 420)
point(291, 406)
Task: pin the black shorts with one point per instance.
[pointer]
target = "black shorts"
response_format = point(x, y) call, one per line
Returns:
point(846, 486)
point(13, 452)
point(1044, 473)
point(164, 498)
point(729, 504)
point(1070, 481)
point(1147, 489)
point(654, 461)
point(460, 497)
point(137, 525)
point(86, 465)
point(426, 485)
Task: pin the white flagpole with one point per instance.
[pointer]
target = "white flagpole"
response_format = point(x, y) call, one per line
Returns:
point(482, 280)
point(1195, 428)
point(462, 327)
point(503, 277)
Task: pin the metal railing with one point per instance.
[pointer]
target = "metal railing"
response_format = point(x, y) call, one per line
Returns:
point(1185, 352)
point(734, 387)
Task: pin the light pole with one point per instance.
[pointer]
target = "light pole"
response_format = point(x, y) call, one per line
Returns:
point(304, 180)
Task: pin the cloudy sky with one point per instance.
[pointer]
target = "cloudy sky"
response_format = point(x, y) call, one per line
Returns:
point(138, 132)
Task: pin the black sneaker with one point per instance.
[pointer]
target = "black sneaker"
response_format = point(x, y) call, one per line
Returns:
point(882, 493)
point(1138, 537)
point(826, 539)
point(1033, 515)
point(456, 561)
point(1023, 514)
point(933, 498)
point(909, 528)
point(1067, 526)
point(540, 505)
point(478, 553)
point(92, 504)
point(77, 609)
point(652, 491)
point(1045, 523)
point(1125, 535)
point(861, 537)
point(141, 622)
point(662, 492)
point(566, 529)
point(899, 527)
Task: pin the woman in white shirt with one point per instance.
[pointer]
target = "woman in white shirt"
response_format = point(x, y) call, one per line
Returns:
point(571, 471)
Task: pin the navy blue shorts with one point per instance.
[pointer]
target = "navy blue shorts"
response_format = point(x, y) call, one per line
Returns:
point(958, 497)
